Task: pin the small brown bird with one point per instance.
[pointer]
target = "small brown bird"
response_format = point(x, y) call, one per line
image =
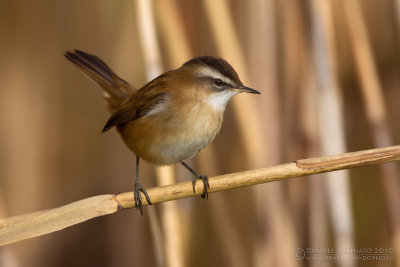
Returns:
point(172, 117)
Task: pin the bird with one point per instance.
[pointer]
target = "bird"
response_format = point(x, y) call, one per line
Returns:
point(172, 117)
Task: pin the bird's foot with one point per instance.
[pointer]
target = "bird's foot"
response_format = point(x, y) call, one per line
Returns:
point(204, 178)
point(138, 197)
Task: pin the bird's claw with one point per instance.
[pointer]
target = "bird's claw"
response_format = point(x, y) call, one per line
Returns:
point(204, 178)
point(138, 197)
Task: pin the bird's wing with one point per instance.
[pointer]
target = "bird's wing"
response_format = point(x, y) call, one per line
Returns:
point(133, 110)
point(116, 90)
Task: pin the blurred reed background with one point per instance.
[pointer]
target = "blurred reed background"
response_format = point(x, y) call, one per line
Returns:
point(329, 76)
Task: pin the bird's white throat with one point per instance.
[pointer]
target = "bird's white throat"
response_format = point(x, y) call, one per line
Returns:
point(219, 100)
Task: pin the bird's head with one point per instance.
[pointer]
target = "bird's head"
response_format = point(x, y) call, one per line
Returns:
point(215, 79)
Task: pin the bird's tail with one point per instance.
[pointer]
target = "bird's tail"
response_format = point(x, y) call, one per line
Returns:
point(116, 90)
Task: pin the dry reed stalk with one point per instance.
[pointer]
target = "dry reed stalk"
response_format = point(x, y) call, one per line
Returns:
point(294, 51)
point(397, 7)
point(263, 70)
point(148, 39)
point(177, 44)
point(281, 236)
point(294, 58)
point(263, 67)
point(7, 255)
point(229, 47)
point(152, 59)
point(24, 103)
point(171, 222)
point(39, 223)
point(372, 92)
point(8, 258)
point(173, 33)
point(263, 63)
point(222, 220)
point(331, 122)
point(317, 203)
point(157, 236)
point(123, 53)
point(179, 51)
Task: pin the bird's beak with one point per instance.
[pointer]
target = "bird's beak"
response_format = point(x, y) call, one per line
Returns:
point(244, 89)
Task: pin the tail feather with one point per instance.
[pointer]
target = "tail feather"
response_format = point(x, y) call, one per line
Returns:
point(116, 90)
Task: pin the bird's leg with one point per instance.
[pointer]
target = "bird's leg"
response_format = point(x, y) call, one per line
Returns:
point(204, 178)
point(139, 187)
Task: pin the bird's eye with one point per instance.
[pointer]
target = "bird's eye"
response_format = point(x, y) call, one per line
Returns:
point(218, 82)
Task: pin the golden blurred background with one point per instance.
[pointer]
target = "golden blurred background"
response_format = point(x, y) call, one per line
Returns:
point(329, 76)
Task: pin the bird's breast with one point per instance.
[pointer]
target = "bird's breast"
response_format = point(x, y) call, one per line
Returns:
point(172, 135)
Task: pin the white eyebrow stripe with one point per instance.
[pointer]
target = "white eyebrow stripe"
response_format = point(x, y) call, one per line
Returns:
point(210, 72)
